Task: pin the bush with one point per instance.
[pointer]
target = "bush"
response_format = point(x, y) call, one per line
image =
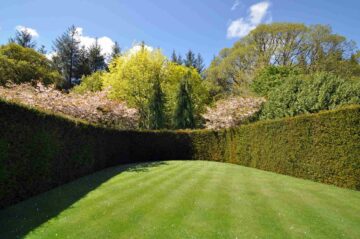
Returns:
point(271, 77)
point(91, 83)
point(19, 65)
point(39, 151)
point(310, 95)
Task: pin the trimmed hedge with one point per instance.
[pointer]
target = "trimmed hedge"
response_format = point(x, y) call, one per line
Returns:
point(323, 147)
point(39, 151)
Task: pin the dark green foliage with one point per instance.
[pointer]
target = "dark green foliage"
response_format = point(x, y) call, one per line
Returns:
point(191, 60)
point(96, 59)
point(39, 151)
point(24, 39)
point(199, 63)
point(83, 65)
point(323, 147)
point(176, 58)
point(299, 95)
point(116, 51)
point(67, 48)
point(19, 64)
point(271, 77)
point(157, 107)
point(184, 111)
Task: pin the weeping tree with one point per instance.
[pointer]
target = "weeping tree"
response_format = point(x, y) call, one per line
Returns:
point(184, 111)
point(157, 107)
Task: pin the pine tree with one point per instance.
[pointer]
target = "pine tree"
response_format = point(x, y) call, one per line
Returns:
point(42, 50)
point(24, 39)
point(96, 59)
point(176, 58)
point(190, 59)
point(67, 54)
point(116, 51)
point(157, 107)
point(199, 63)
point(83, 65)
point(184, 112)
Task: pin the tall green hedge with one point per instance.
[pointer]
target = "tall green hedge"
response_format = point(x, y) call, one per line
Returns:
point(323, 147)
point(39, 151)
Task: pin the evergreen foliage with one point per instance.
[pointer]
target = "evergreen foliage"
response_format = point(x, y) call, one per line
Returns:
point(190, 59)
point(157, 107)
point(116, 51)
point(24, 39)
point(184, 111)
point(176, 58)
point(83, 64)
point(95, 58)
point(67, 48)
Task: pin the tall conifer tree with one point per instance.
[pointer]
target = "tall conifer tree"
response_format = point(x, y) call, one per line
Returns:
point(184, 111)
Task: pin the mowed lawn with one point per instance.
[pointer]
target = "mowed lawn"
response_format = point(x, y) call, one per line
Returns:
point(186, 199)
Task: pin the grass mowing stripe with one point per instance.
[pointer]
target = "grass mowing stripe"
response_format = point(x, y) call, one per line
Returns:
point(122, 181)
point(155, 200)
point(140, 178)
point(196, 200)
point(167, 210)
point(264, 214)
point(122, 215)
point(336, 214)
point(13, 219)
point(201, 216)
point(330, 221)
point(281, 195)
point(88, 210)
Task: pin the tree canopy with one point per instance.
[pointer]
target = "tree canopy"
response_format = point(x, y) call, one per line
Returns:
point(310, 48)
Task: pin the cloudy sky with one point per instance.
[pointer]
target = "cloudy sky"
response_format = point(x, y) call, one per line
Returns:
point(206, 26)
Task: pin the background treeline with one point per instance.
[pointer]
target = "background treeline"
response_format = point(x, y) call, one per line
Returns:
point(297, 68)
point(52, 150)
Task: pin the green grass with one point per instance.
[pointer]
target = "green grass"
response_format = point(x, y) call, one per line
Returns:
point(186, 199)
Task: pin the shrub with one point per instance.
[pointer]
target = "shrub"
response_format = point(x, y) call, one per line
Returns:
point(91, 83)
point(321, 91)
point(19, 64)
point(271, 77)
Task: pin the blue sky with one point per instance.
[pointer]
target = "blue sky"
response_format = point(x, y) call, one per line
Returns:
point(206, 26)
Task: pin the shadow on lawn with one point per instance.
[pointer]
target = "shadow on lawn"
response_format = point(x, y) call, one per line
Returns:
point(18, 220)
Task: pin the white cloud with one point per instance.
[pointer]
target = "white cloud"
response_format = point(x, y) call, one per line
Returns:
point(32, 31)
point(51, 55)
point(137, 47)
point(258, 12)
point(235, 5)
point(104, 42)
point(242, 26)
point(239, 28)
